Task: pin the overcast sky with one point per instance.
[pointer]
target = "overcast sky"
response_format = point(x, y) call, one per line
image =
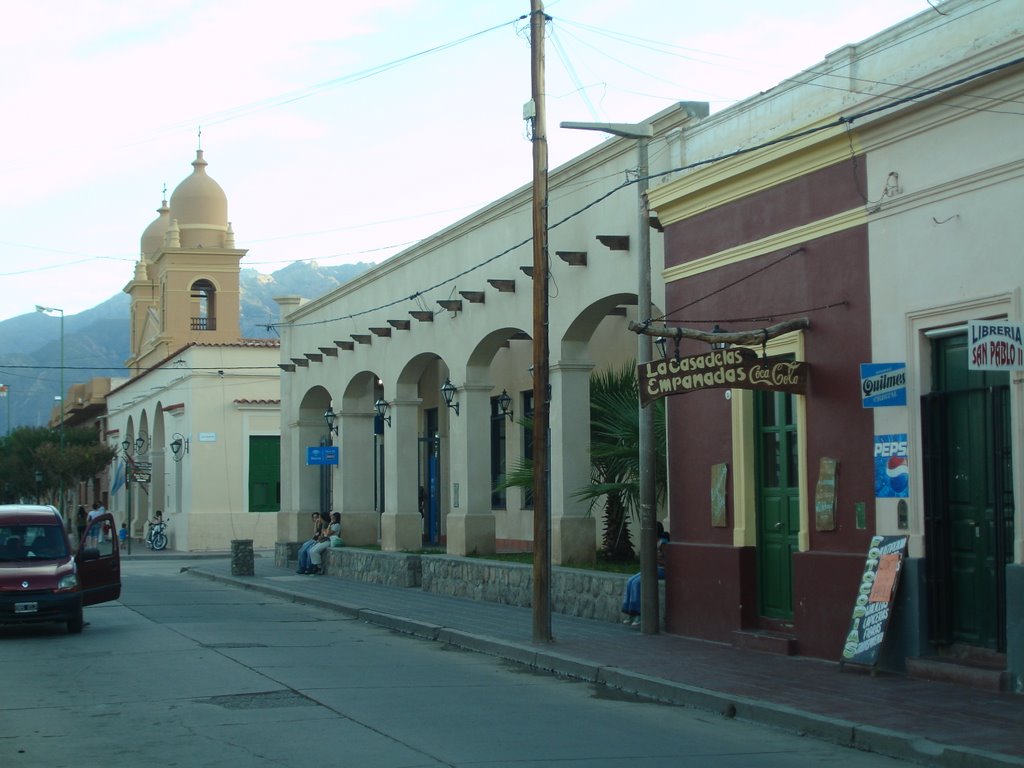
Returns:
point(340, 132)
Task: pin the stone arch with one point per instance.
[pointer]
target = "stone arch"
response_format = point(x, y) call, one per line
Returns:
point(312, 430)
point(159, 491)
point(202, 303)
point(358, 488)
point(142, 492)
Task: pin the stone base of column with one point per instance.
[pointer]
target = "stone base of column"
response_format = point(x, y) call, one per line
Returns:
point(400, 532)
point(360, 528)
point(470, 534)
point(573, 540)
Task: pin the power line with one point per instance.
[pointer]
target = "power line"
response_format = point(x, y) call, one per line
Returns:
point(841, 121)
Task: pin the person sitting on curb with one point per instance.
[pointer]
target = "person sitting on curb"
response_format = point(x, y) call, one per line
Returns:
point(631, 599)
point(328, 538)
point(304, 562)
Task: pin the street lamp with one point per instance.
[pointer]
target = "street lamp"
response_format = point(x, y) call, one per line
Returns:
point(179, 446)
point(448, 393)
point(382, 407)
point(48, 311)
point(642, 132)
point(505, 405)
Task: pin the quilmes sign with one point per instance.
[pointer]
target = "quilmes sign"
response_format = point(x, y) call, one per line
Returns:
point(720, 368)
point(883, 384)
point(995, 345)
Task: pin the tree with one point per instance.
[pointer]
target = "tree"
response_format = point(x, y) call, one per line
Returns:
point(614, 457)
point(30, 449)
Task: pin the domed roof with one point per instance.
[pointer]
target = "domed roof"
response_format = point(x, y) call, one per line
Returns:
point(201, 208)
point(153, 237)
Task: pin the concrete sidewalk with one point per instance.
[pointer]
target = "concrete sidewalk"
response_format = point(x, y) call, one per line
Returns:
point(927, 722)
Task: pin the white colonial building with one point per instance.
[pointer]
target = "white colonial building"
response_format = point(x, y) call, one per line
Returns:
point(458, 308)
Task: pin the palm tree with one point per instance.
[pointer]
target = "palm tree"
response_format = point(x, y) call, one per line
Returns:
point(614, 457)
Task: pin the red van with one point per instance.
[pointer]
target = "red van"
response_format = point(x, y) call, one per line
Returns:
point(42, 579)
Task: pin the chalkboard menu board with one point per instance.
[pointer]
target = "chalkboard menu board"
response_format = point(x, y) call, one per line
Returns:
point(873, 606)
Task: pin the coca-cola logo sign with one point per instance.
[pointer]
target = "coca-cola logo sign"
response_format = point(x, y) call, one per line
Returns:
point(721, 368)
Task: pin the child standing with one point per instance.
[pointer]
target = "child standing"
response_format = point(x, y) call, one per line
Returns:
point(122, 534)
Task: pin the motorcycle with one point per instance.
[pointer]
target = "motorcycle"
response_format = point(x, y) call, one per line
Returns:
point(157, 538)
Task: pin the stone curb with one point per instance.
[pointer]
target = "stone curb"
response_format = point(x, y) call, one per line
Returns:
point(865, 738)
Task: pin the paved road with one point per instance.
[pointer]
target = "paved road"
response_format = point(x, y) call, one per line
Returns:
point(187, 672)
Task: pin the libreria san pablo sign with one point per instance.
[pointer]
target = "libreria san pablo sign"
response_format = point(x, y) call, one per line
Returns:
point(995, 345)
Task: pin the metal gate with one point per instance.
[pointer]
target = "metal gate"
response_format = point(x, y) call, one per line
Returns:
point(968, 514)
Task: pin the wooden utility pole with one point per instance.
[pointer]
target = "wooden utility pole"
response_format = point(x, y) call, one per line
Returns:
point(541, 512)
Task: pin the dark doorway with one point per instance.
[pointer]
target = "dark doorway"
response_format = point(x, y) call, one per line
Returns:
point(968, 500)
point(430, 478)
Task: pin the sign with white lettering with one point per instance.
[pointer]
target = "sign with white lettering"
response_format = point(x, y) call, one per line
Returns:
point(317, 455)
point(995, 345)
point(892, 467)
point(721, 368)
point(883, 384)
point(873, 606)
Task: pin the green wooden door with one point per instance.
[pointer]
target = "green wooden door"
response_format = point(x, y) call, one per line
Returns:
point(265, 473)
point(778, 501)
point(971, 452)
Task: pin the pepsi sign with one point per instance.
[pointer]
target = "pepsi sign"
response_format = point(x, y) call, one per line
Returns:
point(892, 468)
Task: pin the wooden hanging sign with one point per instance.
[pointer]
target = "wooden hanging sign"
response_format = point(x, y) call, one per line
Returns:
point(735, 368)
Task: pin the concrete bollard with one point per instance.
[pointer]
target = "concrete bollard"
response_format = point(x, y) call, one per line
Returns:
point(242, 558)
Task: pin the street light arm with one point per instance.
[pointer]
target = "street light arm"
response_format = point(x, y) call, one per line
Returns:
point(625, 130)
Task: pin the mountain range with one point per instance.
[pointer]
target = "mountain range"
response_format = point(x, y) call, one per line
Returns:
point(96, 340)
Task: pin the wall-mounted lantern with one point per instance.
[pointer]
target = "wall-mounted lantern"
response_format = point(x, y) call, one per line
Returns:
point(448, 393)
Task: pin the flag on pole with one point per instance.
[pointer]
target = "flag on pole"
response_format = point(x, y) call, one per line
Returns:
point(119, 477)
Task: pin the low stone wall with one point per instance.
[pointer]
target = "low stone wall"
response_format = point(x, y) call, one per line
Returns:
point(286, 553)
point(395, 569)
point(574, 591)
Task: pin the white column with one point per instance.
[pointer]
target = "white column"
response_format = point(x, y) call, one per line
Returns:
point(470, 521)
point(401, 527)
point(573, 531)
point(354, 479)
point(309, 433)
point(291, 463)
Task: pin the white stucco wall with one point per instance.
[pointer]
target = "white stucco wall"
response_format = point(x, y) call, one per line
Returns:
point(946, 247)
point(204, 496)
point(467, 346)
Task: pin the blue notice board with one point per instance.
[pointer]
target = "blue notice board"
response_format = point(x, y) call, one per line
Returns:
point(317, 455)
point(883, 384)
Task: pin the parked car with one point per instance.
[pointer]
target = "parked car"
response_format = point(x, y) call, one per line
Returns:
point(42, 579)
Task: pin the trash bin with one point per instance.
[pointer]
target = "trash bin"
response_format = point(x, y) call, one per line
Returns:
point(242, 558)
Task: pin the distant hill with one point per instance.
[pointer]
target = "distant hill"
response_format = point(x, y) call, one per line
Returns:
point(96, 340)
